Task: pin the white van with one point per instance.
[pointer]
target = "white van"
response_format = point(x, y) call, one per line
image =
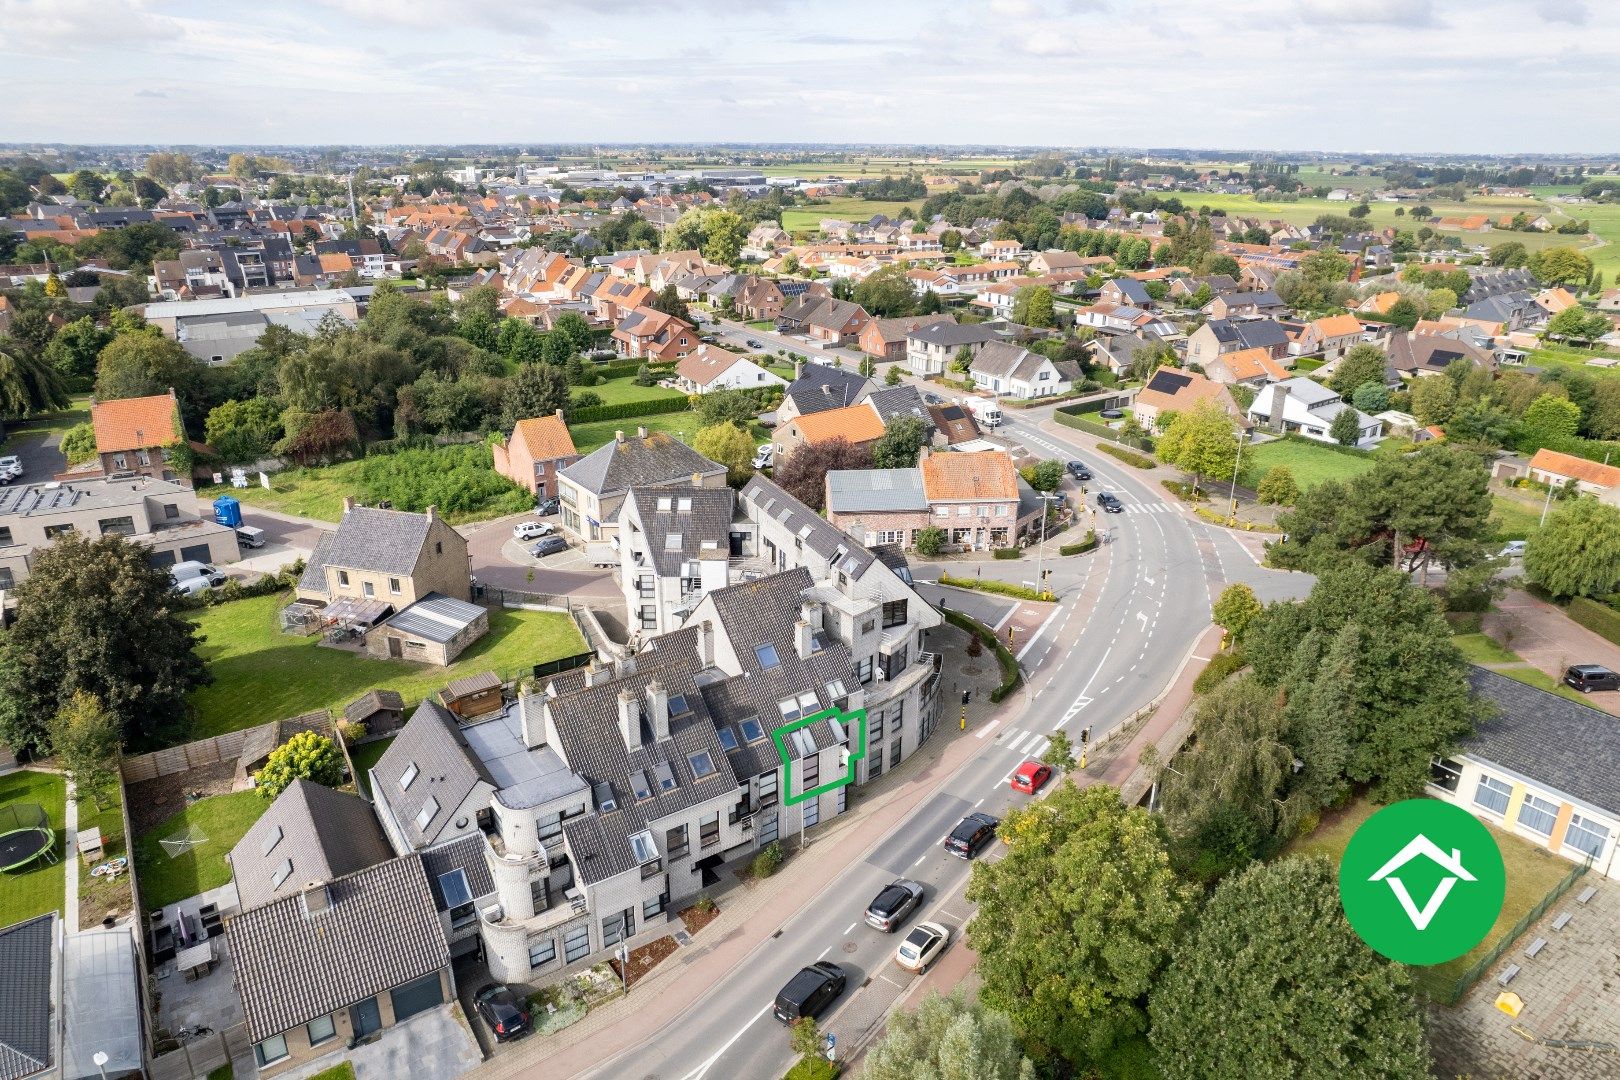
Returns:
point(186, 571)
point(987, 413)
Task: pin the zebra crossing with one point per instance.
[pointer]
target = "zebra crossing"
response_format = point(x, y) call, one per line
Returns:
point(1028, 743)
point(1150, 508)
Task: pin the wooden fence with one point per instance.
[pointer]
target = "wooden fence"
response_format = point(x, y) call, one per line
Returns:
point(193, 755)
point(200, 1056)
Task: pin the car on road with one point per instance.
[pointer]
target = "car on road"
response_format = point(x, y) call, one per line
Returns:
point(754, 343)
point(250, 536)
point(810, 992)
point(1078, 470)
point(549, 545)
point(532, 530)
point(974, 833)
point(891, 906)
point(1031, 776)
point(1112, 414)
point(1109, 503)
point(922, 946)
point(1589, 677)
point(1513, 549)
point(11, 463)
point(545, 507)
point(932, 398)
point(502, 1011)
point(185, 571)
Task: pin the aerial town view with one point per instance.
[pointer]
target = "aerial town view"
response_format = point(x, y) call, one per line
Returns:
point(1016, 540)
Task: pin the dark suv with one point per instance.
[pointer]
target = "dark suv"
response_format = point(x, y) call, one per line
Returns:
point(897, 900)
point(502, 1011)
point(1589, 677)
point(1109, 503)
point(1078, 470)
point(973, 835)
point(810, 992)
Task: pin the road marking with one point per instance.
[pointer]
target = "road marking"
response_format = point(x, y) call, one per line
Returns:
point(1143, 616)
point(987, 729)
point(1036, 749)
point(920, 858)
point(701, 1070)
point(824, 953)
point(1149, 580)
point(891, 982)
point(850, 927)
point(978, 804)
point(1205, 659)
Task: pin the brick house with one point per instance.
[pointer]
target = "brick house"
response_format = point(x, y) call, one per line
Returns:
point(973, 497)
point(879, 506)
point(859, 425)
point(649, 334)
point(137, 435)
point(539, 448)
point(885, 339)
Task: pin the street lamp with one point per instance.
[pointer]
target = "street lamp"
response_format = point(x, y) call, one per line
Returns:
point(1040, 550)
point(1231, 511)
point(100, 1058)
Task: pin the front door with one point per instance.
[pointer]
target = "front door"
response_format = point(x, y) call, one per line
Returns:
point(365, 1017)
point(395, 650)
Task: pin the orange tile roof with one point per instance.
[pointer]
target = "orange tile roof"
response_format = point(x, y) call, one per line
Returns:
point(1337, 325)
point(135, 423)
point(988, 474)
point(546, 437)
point(1380, 303)
point(337, 264)
point(1591, 472)
point(855, 423)
point(1251, 364)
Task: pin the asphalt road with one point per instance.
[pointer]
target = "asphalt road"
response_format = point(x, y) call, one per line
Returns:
point(736, 336)
point(1142, 600)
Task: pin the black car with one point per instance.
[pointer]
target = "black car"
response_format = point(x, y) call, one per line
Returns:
point(932, 398)
point(1078, 470)
point(1109, 503)
point(810, 992)
point(545, 507)
point(973, 835)
point(548, 545)
point(1589, 677)
point(897, 900)
point(502, 1011)
point(754, 343)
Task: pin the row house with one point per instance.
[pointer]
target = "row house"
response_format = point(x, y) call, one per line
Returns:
point(592, 489)
point(823, 318)
point(1329, 337)
point(1219, 336)
point(885, 339)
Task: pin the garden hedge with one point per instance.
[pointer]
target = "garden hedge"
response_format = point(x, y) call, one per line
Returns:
point(1602, 621)
point(1129, 457)
point(628, 410)
point(1011, 677)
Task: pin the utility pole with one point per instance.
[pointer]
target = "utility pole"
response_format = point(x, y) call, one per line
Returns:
point(1040, 550)
point(1546, 505)
point(1242, 436)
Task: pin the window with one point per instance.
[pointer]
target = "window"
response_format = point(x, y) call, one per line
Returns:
point(393, 585)
point(438, 547)
point(810, 771)
point(1493, 794)
point(605, 802)
point(795, 707)
point(863, 670)
point(1586, 835)
point(320, 1029)
point(1538, 814)
point(283, 872)
point(678, 705)
point(835, 690)
point(702, 764)
point(654, 907)
point(6, 580)
point(171, 511)
point(751, 729)
point(53, 531)
point(812, 812)
point(615, 928)
point(649, 617)
point(271, 1050)
point(894, 613)
point(768, 788)
point(868, 626)
point(343, 577)
point(429, 811)
point(874, 766)
point(874, 725)
point(894, 663)
point(576, 943)
point(675, 841)
point(709, 830)
point(894, 752)
point(639, 785)
point(1445, 774)
point(367, 588)
point(415, 997)
point(408, 776)
point(120, 462)
point(727, 737)
point(5, 535)
point(642, 846)
point(542, 952)
point(271, 841)
point(121, 526)
point(766, 655)
point(665, 776)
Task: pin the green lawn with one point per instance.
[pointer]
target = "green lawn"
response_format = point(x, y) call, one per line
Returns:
point(1532, 871)
point(261, 674)
point(1310, 464)
point(621, 390)
point(47, 423)
point(343, 1070)
point(1307, 364)
point(808, 218)
point(223, 819)
point(39, 886)
point(364, 757)
point(99, 896)
point(1568, 357)
point(682, 425)
point(1480, 649)
point(1516, 519)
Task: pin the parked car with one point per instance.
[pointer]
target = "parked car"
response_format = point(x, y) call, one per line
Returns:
point(922, 946)
point(1078, 470)
point(1589, 677)
point(249, 536)
point(891, 906)
point(502, 1011)
point(1112, 414)
point(11, 463)
point(932, 398)
point(1109, 503)
point(545, 507)
point(763, 456)
point(1513, 549)
point(185, 571)
point(549, 545)
point(1031, 776)
point(532, 530)
point(754, 343)
point(975, 833)
point(810, 992)
point(192, 586)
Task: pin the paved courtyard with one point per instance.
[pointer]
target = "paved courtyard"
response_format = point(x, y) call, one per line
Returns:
point(1571, 992)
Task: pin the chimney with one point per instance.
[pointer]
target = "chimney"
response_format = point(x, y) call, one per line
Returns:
point(629, 720)
point(348, 503)
point(534, 717)
point(618, 436)
point(559, 414)
point(658, 709)
point(697, 479)
point(432, 511)
point(798, 369)
point(1279, 398)
point(705, 643)
point(317, 898)
point(641, 431)
point(802, 632)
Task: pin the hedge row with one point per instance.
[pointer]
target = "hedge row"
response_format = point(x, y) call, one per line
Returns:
point(1129, 457)
point(1220, 668)
point(1602, 621)
point(990, 585)
point(1215, 518)
point(1088, 544)
point(1011, 677)
point(1008, 553)
point(626, 410)
point(630, 368)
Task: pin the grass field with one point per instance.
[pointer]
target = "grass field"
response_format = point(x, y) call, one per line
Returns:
point(223, 819)
point(100, 896)
point(364, 757)
point(1310, 464)
point(1516, 518)
point(620, 391)
point(1577, 359)
point(1531, 873)
point(808, 218)
point(48, 423)
point(682, 425)
point(38, 887)
point(261, 674)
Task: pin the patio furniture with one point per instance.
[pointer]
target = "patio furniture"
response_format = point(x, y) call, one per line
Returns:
point(196, 961)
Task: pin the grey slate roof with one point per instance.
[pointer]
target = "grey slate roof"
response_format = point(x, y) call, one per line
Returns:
point(658, 458)
point(25, 987)
point(465, 853)
point(447, 770)
point(820, 386)
point(1001, 360)
point(380, 931)
point(679, 521)
point(436, 617)
point(1133, 291)
point(373, 701)
point(1249, 333)
point(313, 579)
point(952, 335)
point(382, 541)
point(896, 401)
point(855, 490)
point(1543, 737)
point(824, 538)
point(320, 832)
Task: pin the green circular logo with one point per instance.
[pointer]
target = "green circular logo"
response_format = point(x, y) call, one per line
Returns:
point(1422, 881)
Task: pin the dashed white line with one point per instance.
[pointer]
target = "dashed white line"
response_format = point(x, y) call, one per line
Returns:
point(920, 858)
point(824, 953)
point(978, 804)
point(987, 729)
point(850, 928)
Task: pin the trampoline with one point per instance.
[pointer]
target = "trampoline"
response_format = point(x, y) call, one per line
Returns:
point(25, 835)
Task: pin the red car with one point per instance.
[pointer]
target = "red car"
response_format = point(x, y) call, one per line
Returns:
point(1031, 775)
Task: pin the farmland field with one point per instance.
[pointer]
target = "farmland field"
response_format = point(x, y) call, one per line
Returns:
point(808, 218)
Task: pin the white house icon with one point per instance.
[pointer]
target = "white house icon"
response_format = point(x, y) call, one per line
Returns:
point(1422, 845)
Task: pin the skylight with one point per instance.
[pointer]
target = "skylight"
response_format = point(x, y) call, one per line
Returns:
point(767, 655)
point(672, 542)
point(727, 737)
point(678, 705)
point(751, 729)
point(605, 802)
point(271, 841)
point(283, 872)
point(429, 811)
point(665, 776)
point(702, 764)
point(453, 886)
point(639, 785)
point(642, 845)
point(408, 776)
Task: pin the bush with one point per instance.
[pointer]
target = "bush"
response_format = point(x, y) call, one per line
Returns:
point(458, 480)
point(308, 755)
point(1220, 668)
point(929, 541)
point(814, 1068)
point(1602, 621)
point(769, 860)
point(626, 410)
point(352, 731)
point(1277, 487)
point(1465, 622)
point(1088, 544)
point(1008, 553)
point(1130, 458)
point(1000, 588)
point(1011, 677)
point(1184, 491)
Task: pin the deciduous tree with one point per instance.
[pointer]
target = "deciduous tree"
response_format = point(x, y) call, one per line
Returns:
point(536, 390)
point(727, 444)
point(308, 755)
point(1364, 363)
point(1236, 608)
point(28, 382)
point(803, 473)
point(900, 444)
point(87, 741)
point(947, 1038)
point(1577, 552)
point(1200, 442)
point(1277, 487)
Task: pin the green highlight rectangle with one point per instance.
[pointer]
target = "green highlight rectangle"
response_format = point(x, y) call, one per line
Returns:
point(857, 717)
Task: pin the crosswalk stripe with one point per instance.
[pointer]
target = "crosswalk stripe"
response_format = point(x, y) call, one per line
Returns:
point(1017, 743)
point(1038, 747)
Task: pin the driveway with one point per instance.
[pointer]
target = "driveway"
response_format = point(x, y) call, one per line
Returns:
point(499, 560)
point(1550, 640)
point(437, 1043)
point(41, 456)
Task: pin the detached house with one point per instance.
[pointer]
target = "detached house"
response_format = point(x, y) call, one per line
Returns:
point(593, 488)
point(1126, 292)
point(1171, 390)
point(1331, 337)
point(135, 436)
point(1309, 408)
point(1016, 372)
point(1247, 367)
point(1225, 335)
point(819, 387)
point(710, 368)
point(1245, 305)
point(1589, 477)
point(825, 319)
point(931, 349)
point(539, 448)
point(1417, 355)
point(649, 334)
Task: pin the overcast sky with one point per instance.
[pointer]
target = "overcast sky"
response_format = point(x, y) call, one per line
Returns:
point(1377, 75)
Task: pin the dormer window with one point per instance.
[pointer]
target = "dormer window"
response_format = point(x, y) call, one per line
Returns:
point(665, 776)
point(639, 785)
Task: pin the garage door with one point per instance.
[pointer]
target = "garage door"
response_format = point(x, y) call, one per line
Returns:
point(162, 558)
point(416, 997)
point(194, 553)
